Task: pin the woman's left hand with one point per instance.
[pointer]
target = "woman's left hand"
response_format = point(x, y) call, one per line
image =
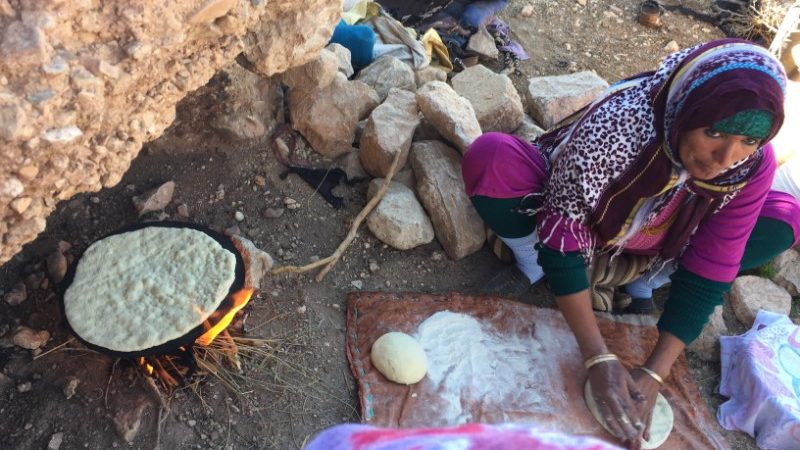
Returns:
point(649, 389)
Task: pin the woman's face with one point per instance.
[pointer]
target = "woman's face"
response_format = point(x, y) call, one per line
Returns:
point(706, 153)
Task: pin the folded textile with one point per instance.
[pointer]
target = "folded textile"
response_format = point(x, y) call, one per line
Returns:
point(354, 11)
point(464, 437)
point(761, 375)
point(436, 48)
point(392, 33)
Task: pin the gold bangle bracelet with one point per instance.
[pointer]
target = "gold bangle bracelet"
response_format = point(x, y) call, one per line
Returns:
point(597, 359)
point(652, 375)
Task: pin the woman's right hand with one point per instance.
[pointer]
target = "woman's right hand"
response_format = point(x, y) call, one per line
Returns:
point(618, 400)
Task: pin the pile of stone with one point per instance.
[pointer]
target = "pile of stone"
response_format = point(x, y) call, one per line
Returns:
point(364, 119)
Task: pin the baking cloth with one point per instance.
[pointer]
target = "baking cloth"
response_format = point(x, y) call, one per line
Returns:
point(558, 383)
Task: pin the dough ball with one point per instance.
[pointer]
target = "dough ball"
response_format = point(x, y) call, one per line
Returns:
point(660, 425)
point(399, 357)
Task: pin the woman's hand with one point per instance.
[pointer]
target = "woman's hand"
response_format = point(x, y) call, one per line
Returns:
point(649, 388)
point(619, 400)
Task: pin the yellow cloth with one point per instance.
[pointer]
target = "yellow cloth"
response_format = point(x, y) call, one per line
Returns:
point(356, 13)
point(435, 47)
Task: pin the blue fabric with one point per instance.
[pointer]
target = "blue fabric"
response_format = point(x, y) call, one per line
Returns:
point(478, 13)
point(359, 39)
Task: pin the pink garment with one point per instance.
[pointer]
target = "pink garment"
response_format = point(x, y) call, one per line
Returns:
point(761, 375)
point(498, 165)
point(463, 437)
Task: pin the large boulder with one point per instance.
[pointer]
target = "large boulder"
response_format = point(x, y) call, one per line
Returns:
point(749, 294)
point(389, 130)
point(493, 97)
point(252, 105)
point(313, 75)
point(328, 117)
point(84, 84)
point(388, 72)
point(552, 99)
point(440, 187)
point(788, 266)
point(399, 219)
point(528, 130)
point(343, 58)
point(451, 114)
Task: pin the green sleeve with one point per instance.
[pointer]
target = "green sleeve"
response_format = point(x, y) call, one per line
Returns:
point(566, 272)
point(691, 301)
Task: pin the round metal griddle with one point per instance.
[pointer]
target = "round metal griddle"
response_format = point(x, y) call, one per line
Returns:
point(181, 346)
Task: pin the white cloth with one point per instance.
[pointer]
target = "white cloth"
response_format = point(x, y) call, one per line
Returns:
point(525, 253)
point(761, 375)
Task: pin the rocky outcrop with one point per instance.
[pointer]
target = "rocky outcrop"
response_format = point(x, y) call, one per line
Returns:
point(83, 85)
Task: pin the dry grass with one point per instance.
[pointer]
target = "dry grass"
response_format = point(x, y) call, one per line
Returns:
point(759, 21)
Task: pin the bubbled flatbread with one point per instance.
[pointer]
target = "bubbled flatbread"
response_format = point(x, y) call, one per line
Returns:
point(660, 425)
point(137, 290)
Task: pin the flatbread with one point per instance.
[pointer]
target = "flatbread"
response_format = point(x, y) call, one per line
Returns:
point(137, 290)
point(660, 425)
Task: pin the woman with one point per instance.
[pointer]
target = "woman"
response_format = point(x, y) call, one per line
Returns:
point(673, 165)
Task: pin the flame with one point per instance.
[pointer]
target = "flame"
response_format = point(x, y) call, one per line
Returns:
point(240, 299)
point(146, 366)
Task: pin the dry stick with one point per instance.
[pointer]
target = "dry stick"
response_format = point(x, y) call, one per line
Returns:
point(68, 341)
point(332, 259)
point(360, 218)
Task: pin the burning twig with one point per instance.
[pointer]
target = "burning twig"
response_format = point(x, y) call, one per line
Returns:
point(233, 353)
point(331, 260)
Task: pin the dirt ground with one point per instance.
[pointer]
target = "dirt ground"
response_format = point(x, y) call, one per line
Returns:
point(301, 384)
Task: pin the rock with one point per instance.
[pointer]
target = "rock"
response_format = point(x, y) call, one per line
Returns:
point(252, 107)
point(183, 210)
point(24, 387)
point(55, 441)
point(239, 216)
point(429, 73)
point(425, 131)
point(290, 203)
point(493, 97)
point(406, 177)
point(351, 164)
point(358, 284)
point(440, 187)
point(71, 387)
point(313, 75)
point(526, 11)
point(273, 213)
point(389, 130)
point(343, 57)
point(388, 72)
point(399, 219)
point(788, 266)
point(328, 118)
point(749, 294)
point(260, 181)
point(301, 309)
point(62, 135)
point(451, 114)
point(154, 200)
point(553, 98)
point(5, 382)
point(127, 421)
point(672, 47)
point(706, 346)
point(528, 130)
point(117, 75)
point(56, 266)
point(17, 295)
point(482, 43)
point(30, 339)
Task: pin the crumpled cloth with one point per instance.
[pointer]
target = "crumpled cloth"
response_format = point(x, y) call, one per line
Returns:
point(500, 29)
point(761, 375)
point(464, 437)
point(435, 47)
point(395, 39)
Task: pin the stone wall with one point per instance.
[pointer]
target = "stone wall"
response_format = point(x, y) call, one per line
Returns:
point(84, 83)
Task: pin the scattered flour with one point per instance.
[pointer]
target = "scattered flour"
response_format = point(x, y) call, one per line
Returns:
point(471, 364)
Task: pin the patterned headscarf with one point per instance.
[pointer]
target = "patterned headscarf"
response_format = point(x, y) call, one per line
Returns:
point(638, 123)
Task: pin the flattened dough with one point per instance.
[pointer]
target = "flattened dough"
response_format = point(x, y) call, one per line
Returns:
point(136, 290)
point(399, 357)
point(660, 426)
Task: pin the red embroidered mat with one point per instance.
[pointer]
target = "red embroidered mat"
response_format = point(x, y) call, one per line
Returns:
point(494, 360)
